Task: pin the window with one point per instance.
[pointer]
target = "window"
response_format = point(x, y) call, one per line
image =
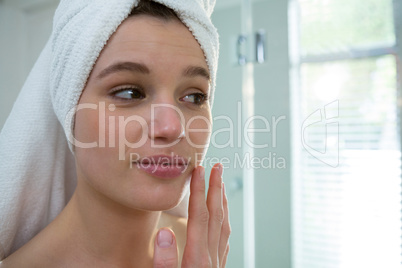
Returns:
point(347, 185)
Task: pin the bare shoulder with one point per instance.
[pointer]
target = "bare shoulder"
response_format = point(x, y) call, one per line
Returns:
point(41, 251)
point(21, 258)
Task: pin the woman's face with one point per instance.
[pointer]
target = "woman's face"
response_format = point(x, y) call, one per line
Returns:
point(144, 119)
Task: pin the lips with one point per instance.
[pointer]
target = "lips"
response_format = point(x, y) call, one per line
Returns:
point(163, 166)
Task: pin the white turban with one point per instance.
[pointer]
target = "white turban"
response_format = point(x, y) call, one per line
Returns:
point(37, 168)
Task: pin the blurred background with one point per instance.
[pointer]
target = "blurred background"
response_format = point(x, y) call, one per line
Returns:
point(306, 124)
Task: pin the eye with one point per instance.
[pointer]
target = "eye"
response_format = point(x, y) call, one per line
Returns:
point(128, 93)
point(196, 98)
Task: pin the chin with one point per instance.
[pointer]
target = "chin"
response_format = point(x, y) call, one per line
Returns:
point(164, 202)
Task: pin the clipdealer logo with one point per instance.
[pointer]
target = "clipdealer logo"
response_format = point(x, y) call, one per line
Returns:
point(320, 134)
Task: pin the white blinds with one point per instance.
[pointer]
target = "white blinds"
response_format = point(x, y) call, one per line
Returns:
point(346, 194)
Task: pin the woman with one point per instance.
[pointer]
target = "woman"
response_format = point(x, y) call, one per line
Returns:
point(138, 134)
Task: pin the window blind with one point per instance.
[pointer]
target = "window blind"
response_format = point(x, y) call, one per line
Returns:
point(347, 193)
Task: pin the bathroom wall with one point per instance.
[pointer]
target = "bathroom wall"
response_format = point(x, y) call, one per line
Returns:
point(25, 27)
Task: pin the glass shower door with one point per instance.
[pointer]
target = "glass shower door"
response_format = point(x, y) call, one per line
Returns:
point(251, 131)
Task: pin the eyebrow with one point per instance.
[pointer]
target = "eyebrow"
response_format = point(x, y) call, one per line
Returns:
point(124, 66)
point(191, 71)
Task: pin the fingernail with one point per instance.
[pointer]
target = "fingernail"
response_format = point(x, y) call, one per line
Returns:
point(221, 170)
point(165, 238)
point(202, 173)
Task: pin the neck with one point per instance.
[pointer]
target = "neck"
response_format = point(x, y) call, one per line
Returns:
point(107, 231)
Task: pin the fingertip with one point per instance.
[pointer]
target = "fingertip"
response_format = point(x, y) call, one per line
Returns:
point(219, 168)
point(215, 179)
point(201, 172)
point(165, 251)
point(165, 238)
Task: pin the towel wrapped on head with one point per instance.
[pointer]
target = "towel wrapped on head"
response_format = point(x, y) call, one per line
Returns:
point(37, 168)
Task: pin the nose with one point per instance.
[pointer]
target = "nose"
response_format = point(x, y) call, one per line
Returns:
point(167, 123)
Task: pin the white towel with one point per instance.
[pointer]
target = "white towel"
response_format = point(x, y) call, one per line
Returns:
point(37, 169)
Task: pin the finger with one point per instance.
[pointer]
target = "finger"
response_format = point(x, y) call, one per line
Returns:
point(165, 249)
point(226, 229)
point(216, 214)
point(225, 257)
point(196, 250)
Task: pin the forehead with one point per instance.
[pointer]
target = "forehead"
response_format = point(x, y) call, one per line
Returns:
point(151, 40)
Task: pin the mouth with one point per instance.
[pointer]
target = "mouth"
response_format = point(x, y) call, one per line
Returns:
point(163, 166)
point(166, 160)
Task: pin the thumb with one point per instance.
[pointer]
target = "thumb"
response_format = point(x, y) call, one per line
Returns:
point(165, 249)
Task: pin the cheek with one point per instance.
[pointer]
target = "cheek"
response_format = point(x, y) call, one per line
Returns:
point(96, 148)
point(199, 132)
point(86, 128)
point(96, 135)
point(119, 129)
point(109, 129)
point(133, 131)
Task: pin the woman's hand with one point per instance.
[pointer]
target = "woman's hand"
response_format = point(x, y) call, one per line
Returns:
point(208, 227)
